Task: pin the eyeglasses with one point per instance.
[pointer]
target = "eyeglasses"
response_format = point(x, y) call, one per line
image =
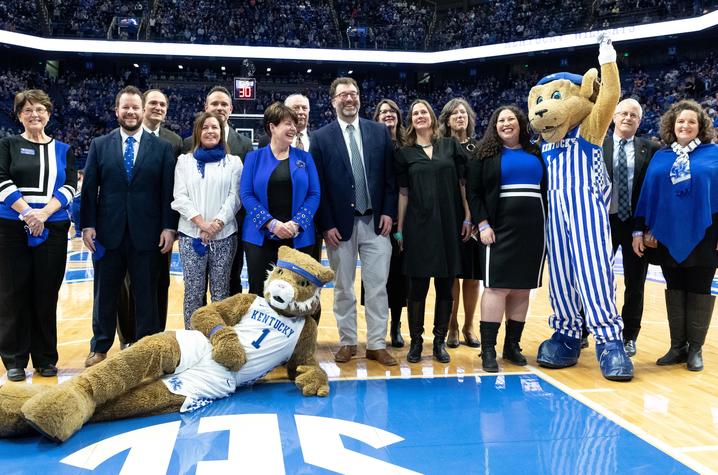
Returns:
point(37, 110)
point(387, 111)
point(346, 95)
point(625, 114)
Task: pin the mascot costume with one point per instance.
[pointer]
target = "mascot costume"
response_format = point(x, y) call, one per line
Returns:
point(235, 342)
point(572, 114)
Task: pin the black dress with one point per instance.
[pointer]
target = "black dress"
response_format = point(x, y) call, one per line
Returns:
point(434, 214)
point(470, 250)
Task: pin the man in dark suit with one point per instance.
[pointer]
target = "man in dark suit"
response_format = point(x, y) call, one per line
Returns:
point(153, 116)
point(220, 101)
point(627, 158)
point(126, 199)
point(354, 159)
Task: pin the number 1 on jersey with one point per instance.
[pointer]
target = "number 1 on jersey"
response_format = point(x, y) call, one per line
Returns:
point(256, 343)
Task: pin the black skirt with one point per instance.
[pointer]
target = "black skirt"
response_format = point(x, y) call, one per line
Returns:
point(515, 260)
point(703, 255)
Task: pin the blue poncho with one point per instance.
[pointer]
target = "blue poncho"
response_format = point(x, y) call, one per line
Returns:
point(680, 222)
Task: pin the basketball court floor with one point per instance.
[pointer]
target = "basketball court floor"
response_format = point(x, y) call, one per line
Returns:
point(425, 418)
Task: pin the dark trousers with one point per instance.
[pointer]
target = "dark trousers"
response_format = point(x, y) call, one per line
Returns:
point(143, 268)
point(634, 276)
point(419, 288)
point(126, 306)
point(696, 280)
point(260, 260)
point(30, 279)
point(235, 277)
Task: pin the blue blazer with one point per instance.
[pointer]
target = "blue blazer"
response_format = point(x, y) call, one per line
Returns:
point(113, 205)
point(258, 167)
point(328, 148)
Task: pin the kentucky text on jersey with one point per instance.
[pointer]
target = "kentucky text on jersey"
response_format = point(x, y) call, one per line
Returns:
point(563, 143)
point(272, 322)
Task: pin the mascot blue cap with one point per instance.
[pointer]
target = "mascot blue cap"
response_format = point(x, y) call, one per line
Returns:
point(574, 78)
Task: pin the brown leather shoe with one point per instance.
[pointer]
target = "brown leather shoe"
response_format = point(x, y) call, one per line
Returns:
point(381, 356)
point(345, 353)
point(93, 358)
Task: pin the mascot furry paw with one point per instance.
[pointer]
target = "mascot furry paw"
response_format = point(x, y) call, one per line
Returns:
point(235, 342)
point(572, 114)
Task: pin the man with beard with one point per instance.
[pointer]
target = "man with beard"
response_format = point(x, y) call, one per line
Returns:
point(219, 101)
point(354, 158)
point(153, 116)
point(127, 219)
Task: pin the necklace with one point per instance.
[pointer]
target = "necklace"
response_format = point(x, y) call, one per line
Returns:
point(425, 146)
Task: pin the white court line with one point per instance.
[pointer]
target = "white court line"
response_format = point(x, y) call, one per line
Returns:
point(633, 428)
point(698, 448)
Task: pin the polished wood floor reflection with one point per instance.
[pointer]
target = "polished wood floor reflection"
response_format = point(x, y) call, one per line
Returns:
point(673, 408)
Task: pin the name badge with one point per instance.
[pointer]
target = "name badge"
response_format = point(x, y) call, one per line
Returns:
point(27, 151)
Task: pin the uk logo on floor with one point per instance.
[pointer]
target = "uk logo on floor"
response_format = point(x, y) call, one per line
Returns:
point(503, 424)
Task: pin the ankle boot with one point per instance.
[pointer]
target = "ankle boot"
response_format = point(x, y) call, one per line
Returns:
point(489, 331)
point(699, 310)
point(442, 315)
point(676, 308)
point(512, 350)
point(415, 310)
point(397, 341)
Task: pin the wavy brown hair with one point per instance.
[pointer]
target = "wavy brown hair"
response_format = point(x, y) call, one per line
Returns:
point(706, 132)
point(400, 132)
point(491, 144)
point(411, 133)
point(197, 130)
point(449, 108)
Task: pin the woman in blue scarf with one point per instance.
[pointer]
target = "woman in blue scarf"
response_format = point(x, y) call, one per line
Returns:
point(677, 219)
point(206, 195)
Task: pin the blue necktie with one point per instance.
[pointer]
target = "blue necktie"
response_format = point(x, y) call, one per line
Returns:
point(360, 192)
point(129, 157)
point(624, 201)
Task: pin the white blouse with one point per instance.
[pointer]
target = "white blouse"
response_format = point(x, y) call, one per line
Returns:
point(216, 196)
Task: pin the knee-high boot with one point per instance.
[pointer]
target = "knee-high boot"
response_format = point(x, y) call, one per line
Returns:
point(699, 310)
point(397, 341)
point(676, 308)
point(415, 310)
point(512, 349)
point(442, 314)
point(489, 331)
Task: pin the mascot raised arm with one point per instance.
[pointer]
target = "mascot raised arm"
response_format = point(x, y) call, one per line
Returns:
point(572, 114)
point(235, 342)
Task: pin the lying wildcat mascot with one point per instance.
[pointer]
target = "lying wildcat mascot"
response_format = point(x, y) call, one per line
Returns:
point(235, 342)
point(572, 114)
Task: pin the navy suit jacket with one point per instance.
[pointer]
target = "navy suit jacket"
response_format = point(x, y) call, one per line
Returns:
point(336, 208)
point(114, 206)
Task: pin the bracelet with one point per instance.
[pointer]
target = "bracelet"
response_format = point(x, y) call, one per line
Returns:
point(215, 330)
point(484, 227)
point(398, 236)
point(24, 213)
point(637, 234)
point(272, 225)
point(467, 221)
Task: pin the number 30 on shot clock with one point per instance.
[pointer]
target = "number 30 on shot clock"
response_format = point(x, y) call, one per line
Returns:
point(245, 89)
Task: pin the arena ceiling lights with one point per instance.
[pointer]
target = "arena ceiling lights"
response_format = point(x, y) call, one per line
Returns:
point(134, 48)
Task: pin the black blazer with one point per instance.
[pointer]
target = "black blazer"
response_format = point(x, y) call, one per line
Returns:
point(644, 150)
point(174, 140)
point(336, 208)
point(483, 187)
point(238, 144)
point(141, 207)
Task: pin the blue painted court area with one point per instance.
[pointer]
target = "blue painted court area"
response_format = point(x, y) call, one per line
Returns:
point(514, 424)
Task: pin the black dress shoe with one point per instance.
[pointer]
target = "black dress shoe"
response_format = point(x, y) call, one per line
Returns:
point(630, 347)
point(47, 371)
point(584, 342)
point(16, 374)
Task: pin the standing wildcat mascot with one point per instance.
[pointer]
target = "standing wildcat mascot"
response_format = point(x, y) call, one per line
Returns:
point(572, 114)
point(235, 342)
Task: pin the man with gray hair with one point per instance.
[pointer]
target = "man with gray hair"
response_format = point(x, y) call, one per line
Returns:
point(299, 103)
point(627, 158)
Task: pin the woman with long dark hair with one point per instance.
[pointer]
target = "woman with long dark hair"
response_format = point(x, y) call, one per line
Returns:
point(507, 191)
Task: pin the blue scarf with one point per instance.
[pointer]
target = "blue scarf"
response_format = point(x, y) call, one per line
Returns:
point(208, 155)
point(679, 219)
point(681, 169)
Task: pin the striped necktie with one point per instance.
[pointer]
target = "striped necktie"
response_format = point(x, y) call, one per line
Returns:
point(361, 202)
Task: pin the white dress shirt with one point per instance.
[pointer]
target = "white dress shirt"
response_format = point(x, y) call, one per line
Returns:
point(631, 164)
point(305, 140)
point(216, 196)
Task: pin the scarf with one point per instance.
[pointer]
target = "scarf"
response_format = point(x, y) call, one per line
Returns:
point(208, 155)
point(681, 170)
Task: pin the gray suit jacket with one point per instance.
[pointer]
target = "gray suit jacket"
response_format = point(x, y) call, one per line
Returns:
point(174, 139)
